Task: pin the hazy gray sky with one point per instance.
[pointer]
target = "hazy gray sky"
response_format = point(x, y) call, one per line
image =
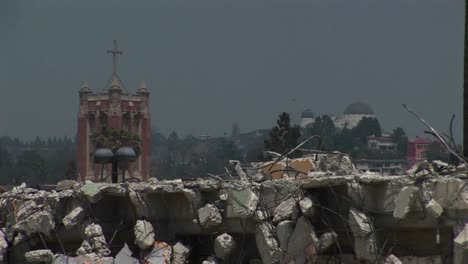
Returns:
point(209, 64)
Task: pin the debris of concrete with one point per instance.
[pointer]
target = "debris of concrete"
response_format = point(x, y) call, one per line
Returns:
point(144, 234)
point(365, 242)
point(74, 218)
point(160, 254)
point(286, 210)
point(303, 241)
point(91, 191)
point(392, 259)
point(210, 260)
point(267, 245)
point(238, 169)
point(180, 253)
point(41, 221)
point(241, 203)
point(434, 209)
point(407, 200)
point(39, 256)
point(209, 216)
point(338, 164)
point(66, 185)
point(3, 246)
point(94, 242)
point(327, 240)
point(307, 206)
point(460, 249)
point(284, 230)
point(224, 246)
point(248, 207)
point(125, 256)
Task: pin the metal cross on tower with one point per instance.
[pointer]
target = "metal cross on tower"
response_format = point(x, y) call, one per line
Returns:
point(114, 52)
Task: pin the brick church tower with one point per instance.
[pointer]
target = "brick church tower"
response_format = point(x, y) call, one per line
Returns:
point(114, 108)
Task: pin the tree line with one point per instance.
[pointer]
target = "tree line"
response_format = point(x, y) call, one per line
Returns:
point(42, 161)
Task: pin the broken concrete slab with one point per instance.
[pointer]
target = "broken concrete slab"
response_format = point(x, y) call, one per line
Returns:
point(209, 216)
point(210, 260)
point(267, 245)
point(286, 210)
point(144, 234)
point(39, 256)
point(307, 207)
point(91, 191)
point(434, 209)
point(365, 242)
point(93, 230)
point(241, 203)
point(460, 249)
point(180, 253)
point(284, 230)
point(125, 256)
point(41, 221)
point(302, 241)
point(3, 246)
point(327, 240)
point(408, 200)
point(160, 254)
point(66, 185)
point(392, 259)
point(224, 246)
point(74, 218)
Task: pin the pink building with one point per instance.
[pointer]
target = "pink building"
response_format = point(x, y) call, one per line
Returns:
point(114, 107)
point(417, 150)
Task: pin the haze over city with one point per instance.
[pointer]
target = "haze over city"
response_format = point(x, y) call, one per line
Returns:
point(210, 64)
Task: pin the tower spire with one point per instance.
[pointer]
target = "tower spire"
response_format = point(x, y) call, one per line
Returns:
point(115, 51)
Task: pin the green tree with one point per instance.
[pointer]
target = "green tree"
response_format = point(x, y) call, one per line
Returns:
point(283, 137)
point(367, 126)
point(324, 127)
point(35, 166)
point(114, 139)
point(399, 137)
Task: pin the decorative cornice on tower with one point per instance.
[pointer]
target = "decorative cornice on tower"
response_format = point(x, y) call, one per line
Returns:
point(115, 84)
point(143, 89)
point(85, 87)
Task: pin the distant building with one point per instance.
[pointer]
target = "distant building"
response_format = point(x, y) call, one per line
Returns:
point(353, 114)
point(307, 118)
point(383, 142)
point(417, 150)
point(384, 167)
point(115, 108)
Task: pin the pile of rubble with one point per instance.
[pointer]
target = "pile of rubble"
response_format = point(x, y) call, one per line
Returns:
point(314, 209)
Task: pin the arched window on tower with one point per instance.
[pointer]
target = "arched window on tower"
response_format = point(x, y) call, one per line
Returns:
point(103, 120)
point(126, 121)
point(92, 122)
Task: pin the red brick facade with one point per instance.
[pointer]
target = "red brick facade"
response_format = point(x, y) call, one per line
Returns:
point(117, 109)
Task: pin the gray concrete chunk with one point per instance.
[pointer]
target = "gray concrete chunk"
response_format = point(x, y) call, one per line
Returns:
point(144, 234)
point(39, 256)
point(224, 246)
point(74, 218)
point(209, 216)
